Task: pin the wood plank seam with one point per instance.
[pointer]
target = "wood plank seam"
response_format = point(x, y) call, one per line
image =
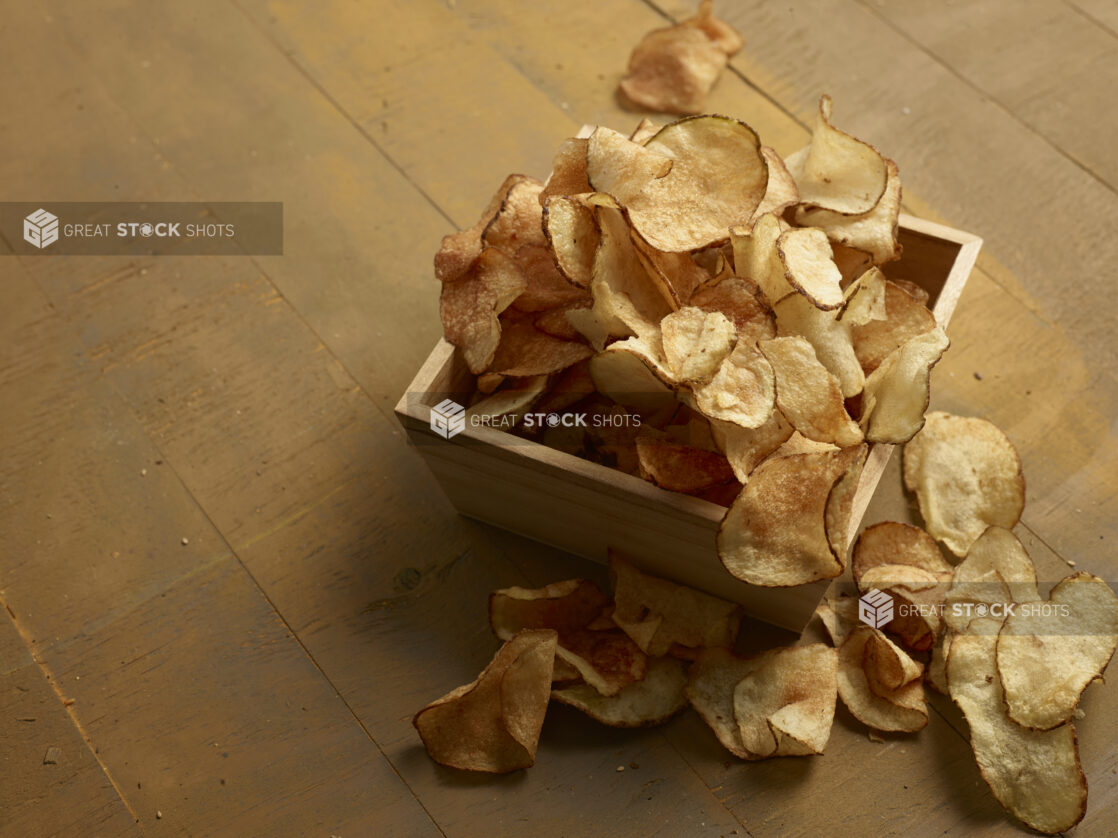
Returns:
point(68, 707)
point(1087, 15)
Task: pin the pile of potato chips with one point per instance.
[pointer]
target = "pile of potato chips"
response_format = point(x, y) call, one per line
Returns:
point(1015, 664)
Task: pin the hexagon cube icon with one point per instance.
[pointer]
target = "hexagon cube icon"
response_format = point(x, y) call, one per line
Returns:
point(448, 418)
point(875, 608)
point(40, 228)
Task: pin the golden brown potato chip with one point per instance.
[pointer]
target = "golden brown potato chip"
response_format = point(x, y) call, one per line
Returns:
point(879, 683)
point(696, 342)
point(487, 382)
point(519, 221)
point(864, 299)
point(573, 236)
point(996, 572)
point(905, 318)
point(797, 443)
point(727, 38)
point(787, 705)
point(850, 261)
point(913, 290)
point(671, 70)
point(756, 257)
point(1050, 652)
point(1034, 774)
point(742, 391)
point(742, 301)
point(745, 448)
point(677, 272)
point(889, 547)
point(935, 675)
point(681, 468)
point(566, 388)
point(621, 168)
point(809, 266)
point(568, 171)
point(556, 323)
point(651, 701)
point(459, 250)
point(828, 336)
point(470, 304)
point(839, 615)
point(873, 232)
point(631, 373)
point(836, 171)
point(660, 615)
point(645, 129)
point(777, 533)
point(807, 394)
point(966, 475)
point(547, 287)
point(607, 660)
point(781, 192)
point(493, 724)
point(718, 175)
point(514, 398)
point(525, 350)
point(710, 689)
point(898, 392)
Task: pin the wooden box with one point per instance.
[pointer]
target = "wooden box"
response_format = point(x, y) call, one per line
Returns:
point(586, 508)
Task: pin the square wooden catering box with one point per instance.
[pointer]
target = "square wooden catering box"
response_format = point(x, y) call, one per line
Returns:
point(586, 508)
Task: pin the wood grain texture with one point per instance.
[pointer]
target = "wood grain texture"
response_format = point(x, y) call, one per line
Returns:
point(324, 568)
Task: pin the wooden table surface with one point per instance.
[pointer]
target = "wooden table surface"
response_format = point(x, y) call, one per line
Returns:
point(229, 582)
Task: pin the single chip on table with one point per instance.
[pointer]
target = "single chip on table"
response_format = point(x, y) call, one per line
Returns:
point(710, 688)
point(836, 171)
point(493, 724)
point(1048, 655)
point(651, 701)
point(788, 525)
point(664, 617)
point(966, 475)
point(1034, 774)
point(997, 571)
point(880, 684)
point(606, 659)
point(470, 304)
point(807, 394)
point(898, 392)
point(786, 706)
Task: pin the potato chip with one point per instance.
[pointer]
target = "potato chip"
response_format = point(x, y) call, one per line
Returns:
point(515, 398)
point(525, 350)
point(607, 660)
point(566, 388)
point(743, 389)
point(547, 288)
point(882, 555)
point(966, 475)
point(809, 266)
point(470, 304)
point(518, 222)
point(671, 70)
point(718, 175)
point(873, 232)
point(905, 318)
point(836, 171)
point(1034, 774)
point(864, 299)
point(787, 705)
point(487, 382)
point(784, 527)
point(756, 257)
point(807, 394)
point(913, 290)
point(725, 37)
point(850, 261)
point(573, 236)
point(493, 724)
point(696, 342)
point(710, 689)
point(829, 337)
point(1048, 655)
point(645, 129)
point(797, 443)
point(935, 674)
point(662, 616)
point(651, 701)
point(898, 392)
point(839, 615)
point(996, 571)
point(879, 683)
point(568, 171)
point(621, 168)
point(740, 300)
point(781, 192)
point(681, 468)
point(630, 374)
point(557, 323)
point(745, 448)
point(459, 250)
point(677, 272)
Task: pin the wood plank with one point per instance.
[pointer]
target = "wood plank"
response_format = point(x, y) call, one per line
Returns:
point(1029, 74)
point(1102, 13)
point(71, 796)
